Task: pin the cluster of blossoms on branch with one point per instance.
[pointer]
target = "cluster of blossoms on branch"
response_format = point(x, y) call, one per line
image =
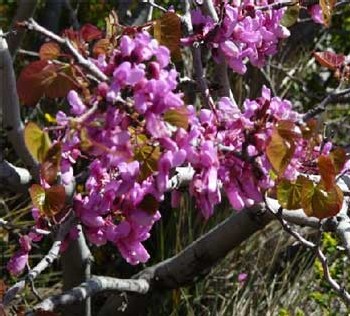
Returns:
point(132, 131)
point(244, 34)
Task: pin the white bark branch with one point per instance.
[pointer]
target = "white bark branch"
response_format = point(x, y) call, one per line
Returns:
point(44, 263)
point(9, 104)
point(93, 286)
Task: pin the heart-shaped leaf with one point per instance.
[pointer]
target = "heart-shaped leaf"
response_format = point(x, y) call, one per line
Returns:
point(289, 193)
point(49, 201)
point(177, 117)
point(329, 60)
point(167, 30)
point(50, 50)
point(37, 141)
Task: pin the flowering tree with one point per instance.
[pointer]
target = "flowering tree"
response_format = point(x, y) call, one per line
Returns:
point(127, 134)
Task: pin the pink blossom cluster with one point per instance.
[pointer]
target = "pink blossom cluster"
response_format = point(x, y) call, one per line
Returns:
point(244, 32)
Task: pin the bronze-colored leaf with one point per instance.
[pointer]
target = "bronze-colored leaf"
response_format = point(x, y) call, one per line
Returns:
point(289, 193)
point(167, 30)
point(327, 7)
point(177, 117)
point(50, 50)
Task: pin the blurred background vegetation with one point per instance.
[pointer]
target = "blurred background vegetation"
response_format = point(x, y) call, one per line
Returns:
point(270, 274)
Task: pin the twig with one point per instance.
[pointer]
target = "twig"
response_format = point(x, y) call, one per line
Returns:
point(44, 263)
point(32, 25)
point(342, 293)
point(330, 98)
point(93, 286)
point(9, 103)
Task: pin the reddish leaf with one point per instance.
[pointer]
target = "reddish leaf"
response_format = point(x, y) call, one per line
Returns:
point(90, 32)
point(327, 171)
point(42, 77)
point(101, 47)
point(37, 141)
point(167, 30)
point(318, 202)
point(309, 129)
point(51, 164)
point(50, 50)
point(61, 83)
point(339, 159)
point(49, 201)
point(329, 60)
point(3, 289)
point(149, 204)
point(29, 84)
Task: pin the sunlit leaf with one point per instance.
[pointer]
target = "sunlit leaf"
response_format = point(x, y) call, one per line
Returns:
point(289, 193)
point(327, 7)
point(50, 50)
point(37, 141)
point(149, 204)
point(279, 151)
point(49, 201)
point(112, 23)
point(318, 202)
point(37, 194)
point(291, 16)
point(51, 164)
point(177, 117)
point(167, 30)
point(148, 156)
point(329, 59)
point(309, 129)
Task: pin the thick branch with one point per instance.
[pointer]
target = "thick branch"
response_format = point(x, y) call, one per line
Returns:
point(95, 285)
point(9, 104)
point(25, 10)
point(14, 178)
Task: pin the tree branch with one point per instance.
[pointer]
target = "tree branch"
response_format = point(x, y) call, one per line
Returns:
point(25, 10)
point(9, 104)
point(87, 64)
point(14, 178)
point(43, 264)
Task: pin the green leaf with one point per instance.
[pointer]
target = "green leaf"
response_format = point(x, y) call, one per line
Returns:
point(291, 16)
point(148, 156)
point(177, 117)
point(289, 193)
point(37, 141)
